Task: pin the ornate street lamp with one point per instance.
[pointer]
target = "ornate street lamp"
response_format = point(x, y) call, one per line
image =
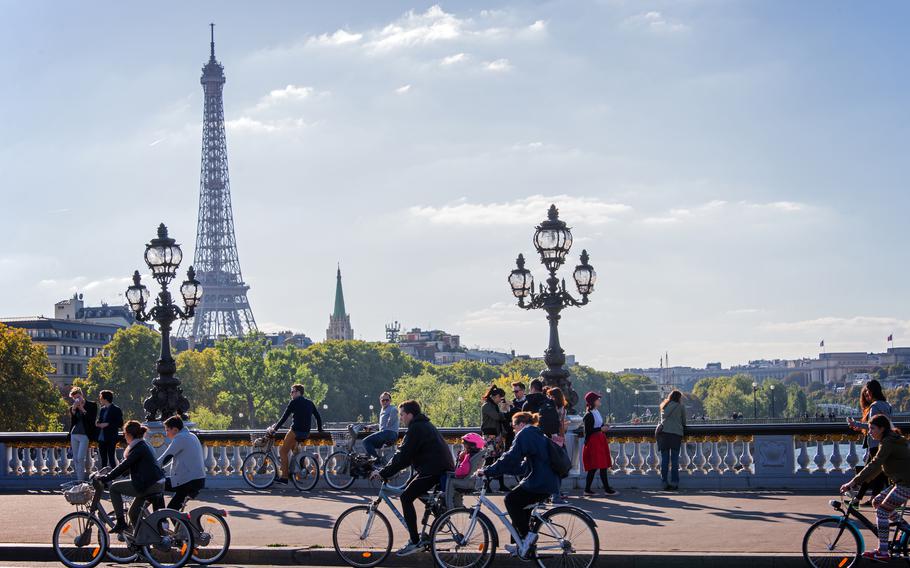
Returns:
point(553, 239)
point(772, 400)
point(163, 256)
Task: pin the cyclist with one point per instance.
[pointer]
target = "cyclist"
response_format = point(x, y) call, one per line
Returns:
point(893, 461)
point(304, 411)
point(146, 477)
point(188, 470)
point(424, 449)
point(386, 431)
point(530, 449)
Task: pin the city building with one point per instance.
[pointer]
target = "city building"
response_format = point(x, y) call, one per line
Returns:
point(339, 320)
point(435, 346)
point(285, 338)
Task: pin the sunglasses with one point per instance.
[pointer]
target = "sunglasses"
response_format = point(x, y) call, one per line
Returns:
point(385, 400)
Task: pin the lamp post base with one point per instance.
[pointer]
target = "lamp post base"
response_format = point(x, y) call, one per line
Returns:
point(165, 400)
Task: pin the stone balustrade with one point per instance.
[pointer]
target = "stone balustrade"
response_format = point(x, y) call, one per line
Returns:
point(713, 457)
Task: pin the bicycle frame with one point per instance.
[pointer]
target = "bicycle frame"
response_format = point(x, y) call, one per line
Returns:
point(385, 496)
point(847, 510)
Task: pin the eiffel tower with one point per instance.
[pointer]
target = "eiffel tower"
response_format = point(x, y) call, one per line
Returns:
point(224, 310)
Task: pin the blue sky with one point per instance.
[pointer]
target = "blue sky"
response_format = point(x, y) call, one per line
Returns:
point(736, 170)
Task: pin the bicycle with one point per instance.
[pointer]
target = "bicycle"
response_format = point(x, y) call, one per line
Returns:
point(362, 535)
point(826, 543)
point(560, 536)
point(260, 467)
point(164, 537)
point(344, 466)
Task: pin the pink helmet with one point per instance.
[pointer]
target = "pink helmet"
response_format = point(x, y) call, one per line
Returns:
point(475, 439)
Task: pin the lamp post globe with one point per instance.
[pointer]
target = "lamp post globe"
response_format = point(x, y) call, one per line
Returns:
point(553, 240)
point(163, 256)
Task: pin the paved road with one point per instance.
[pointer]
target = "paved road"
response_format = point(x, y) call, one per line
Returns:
point(713, 522)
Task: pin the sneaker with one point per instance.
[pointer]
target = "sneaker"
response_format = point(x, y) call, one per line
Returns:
point(589, 492)
point(281, 480)
point(610, 492)
point(118, 527)
point(664, 486)
point(877, 556)
point(560, 500)
point(409, 549)
point(673, 488)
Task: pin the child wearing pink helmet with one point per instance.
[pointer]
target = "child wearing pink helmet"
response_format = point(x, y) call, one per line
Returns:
point(469, 461)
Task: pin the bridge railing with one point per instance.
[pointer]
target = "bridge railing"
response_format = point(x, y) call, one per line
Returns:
point(714, 456)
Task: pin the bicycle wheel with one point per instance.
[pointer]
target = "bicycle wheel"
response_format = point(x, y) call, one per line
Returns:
point(400, 479)
point(831, 542)
point(120, 551)
point(213, 539)
point(453, 547)
point(176, 544)
point(566, 537)
point(80, 540)
point(305, 474)
point(259, 470)
point(337, 470)
point(362, 537)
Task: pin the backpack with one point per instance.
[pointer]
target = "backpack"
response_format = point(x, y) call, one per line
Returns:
point(549, 418)
point(559, 459)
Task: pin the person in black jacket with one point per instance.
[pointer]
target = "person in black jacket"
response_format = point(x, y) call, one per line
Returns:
point(535, 398)
point(109, 423)
point(303, 410)
point(81, 429)
point(424, 449)
point(146, 477)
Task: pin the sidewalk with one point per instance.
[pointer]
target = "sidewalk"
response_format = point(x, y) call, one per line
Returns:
point(685, 524)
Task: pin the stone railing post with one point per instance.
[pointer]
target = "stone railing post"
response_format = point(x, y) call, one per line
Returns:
point(775, 462)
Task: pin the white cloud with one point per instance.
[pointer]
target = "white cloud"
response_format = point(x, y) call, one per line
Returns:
point(453, 59)
point(340, 37)
point(415, 29)
point(530, 209)
point(498, 65)
point(247, 124)
point(678, 215)
point(656, 22)
point(496, 315)
point(538, 26)
point(403, 89)
point(288, 93)
point(743, 311)
point(837, 324)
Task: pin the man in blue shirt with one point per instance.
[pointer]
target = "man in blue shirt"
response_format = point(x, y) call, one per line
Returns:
point(303, 411)
point(386, 431)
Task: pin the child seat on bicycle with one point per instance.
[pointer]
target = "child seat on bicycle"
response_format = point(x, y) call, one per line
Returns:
point(469, 461)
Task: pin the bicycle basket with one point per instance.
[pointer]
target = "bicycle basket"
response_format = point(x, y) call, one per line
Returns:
point(258, 441)
point(79, 494)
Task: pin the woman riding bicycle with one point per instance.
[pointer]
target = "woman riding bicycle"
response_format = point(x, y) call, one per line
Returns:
point(146, 477)
point(893, 461)
point(529, 450)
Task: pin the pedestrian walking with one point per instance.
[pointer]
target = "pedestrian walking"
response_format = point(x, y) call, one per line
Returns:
point(669, 434)
point(596, 453)
point(872, 403)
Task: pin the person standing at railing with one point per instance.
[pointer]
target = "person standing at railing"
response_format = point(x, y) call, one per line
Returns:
point(109, 423)
point(386, 433)
point(892, 460)
point(872, 402)
point(82, 431)
point(494, 416)
point(303, 410)
point(669, 435)
point(596, 453)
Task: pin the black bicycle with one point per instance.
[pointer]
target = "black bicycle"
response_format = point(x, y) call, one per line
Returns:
point(837, 541)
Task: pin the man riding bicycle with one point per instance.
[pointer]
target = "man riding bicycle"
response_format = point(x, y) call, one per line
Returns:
point(303, 411)
point(188, 468)
point(893, 460)
point(530, 449)
point(424, 449)
point(386, 432)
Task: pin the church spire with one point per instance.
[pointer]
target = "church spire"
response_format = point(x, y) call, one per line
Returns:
point(339, 296)
point(339, 321)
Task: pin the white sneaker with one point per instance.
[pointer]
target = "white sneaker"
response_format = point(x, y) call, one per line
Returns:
point(409, 549)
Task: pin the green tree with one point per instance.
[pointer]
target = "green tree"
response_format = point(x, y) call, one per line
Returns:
point(206, 419)
point(196, 371)
point(243, 386)
point(126, 366)
point(797, 402)
point(30, 402)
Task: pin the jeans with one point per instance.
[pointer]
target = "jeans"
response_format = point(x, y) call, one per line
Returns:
point(377, 440)
point(516, 501)
point(107, 453)
point(669, 463)
point(79, 444)
point(182, 493)
point(125, 487)
point(418, 486)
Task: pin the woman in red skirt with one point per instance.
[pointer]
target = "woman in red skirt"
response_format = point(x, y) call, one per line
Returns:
point(596, 453)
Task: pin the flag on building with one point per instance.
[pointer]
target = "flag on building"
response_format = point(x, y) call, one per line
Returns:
point(891, 337)
point(822, 344)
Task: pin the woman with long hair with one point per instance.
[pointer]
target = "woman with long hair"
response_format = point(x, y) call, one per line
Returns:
point(494, 420)
point(872, 402)
point(559, 438)
point(670, 433)
point(596, 454)
point(892, 460)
